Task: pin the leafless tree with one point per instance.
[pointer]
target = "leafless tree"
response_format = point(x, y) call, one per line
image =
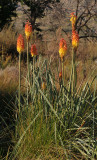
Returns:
point(36, 9)
point(86, 12)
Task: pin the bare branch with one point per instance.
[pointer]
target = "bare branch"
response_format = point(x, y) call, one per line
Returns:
point(88, 36)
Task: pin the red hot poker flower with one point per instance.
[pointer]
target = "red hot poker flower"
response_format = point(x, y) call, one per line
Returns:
point(73, 20)
point(75, 40)
point(20, 44)
point(62, 48)
point(33, 50)
point(28, 30)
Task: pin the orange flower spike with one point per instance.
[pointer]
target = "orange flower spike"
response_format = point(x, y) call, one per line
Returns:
point(20, 44)
point(75, 40)
point(28, 30)
point(33, 50)
point(73, 20)
point(62, 48)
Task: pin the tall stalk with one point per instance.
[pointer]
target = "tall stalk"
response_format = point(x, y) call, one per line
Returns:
point(28, 32)
point(55, 134)
point(33, 69)
point(74, 75)
point(93, 131)
point(28, 73)
point(63, 79)
point(33, 54)
point(19, 81)
point(63, 71)
point(20, 49)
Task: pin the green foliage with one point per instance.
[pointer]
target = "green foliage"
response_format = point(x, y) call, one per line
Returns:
point(7, 8)
point(56, 119)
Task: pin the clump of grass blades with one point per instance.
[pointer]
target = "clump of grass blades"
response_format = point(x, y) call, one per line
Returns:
point(49, 122)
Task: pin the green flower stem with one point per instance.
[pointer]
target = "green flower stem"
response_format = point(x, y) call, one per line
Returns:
point(33, 69)
point(34, 64)
point(31, 81)
point(28, 73)
point(63, 71)
point(93, 132)
point(74, 74)
point(19, 81)
point(63, 78)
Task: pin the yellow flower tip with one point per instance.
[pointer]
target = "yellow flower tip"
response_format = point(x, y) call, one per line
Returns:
point(62, 48)
point(28, 30)
point(20, 44)
point(73, 20)
point(33, 50)
point(75, 40)
point(62, 52)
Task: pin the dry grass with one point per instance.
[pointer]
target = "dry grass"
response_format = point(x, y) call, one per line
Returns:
point(8, 40)
point(49, 153)
point(9, 79)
